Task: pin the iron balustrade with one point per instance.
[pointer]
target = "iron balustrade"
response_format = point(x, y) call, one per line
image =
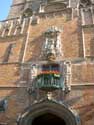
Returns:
point(49, 82)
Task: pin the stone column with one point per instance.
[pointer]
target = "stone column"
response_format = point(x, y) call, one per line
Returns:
point(67, 75)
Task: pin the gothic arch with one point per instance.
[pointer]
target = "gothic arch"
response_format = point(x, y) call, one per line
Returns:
point(48, 107)
point(84, 3)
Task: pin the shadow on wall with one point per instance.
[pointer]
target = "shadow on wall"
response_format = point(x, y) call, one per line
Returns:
point(35, 47)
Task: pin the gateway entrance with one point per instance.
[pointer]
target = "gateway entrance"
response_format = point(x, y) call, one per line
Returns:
point(48, 112)
point(48, 119)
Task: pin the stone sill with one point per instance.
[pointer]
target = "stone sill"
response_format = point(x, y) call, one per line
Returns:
point(75, 85)
point(88, 26)
point(9, 63)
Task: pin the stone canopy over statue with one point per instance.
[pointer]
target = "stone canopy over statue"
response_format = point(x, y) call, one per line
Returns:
point(52, 47)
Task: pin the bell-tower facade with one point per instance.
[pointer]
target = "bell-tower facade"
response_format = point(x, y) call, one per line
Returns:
point(47, 63)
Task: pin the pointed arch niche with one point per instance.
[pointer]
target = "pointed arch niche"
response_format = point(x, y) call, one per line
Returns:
point(48, 112)
point(87, 13)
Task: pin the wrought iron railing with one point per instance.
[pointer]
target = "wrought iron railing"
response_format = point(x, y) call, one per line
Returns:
point(49, 82)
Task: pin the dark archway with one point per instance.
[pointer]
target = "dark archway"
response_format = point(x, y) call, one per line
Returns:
point(48, 112)
point(48, 119)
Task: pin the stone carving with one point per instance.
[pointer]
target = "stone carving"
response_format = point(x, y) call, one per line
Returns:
point(33, 71)
point(6, 26)
point(67, 75)
point(18, 23)
point(42, 8)
point(35, 19)
point(28, 12)
point(52, 45)
point(84, 3)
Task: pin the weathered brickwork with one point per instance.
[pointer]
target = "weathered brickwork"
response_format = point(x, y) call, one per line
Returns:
point(22, 46)
point(9, 75)
point(14, 53)
point(70, 41)
point(88, 36)
point(83, 73)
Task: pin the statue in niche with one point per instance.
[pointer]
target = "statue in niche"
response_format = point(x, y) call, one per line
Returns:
point(18, 23)
point(35, 19)
point(28, 12)
point(5, 28)
point(52, 46)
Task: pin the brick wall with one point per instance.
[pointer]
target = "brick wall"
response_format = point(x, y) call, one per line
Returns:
point(69, 37)
point(89, 38)
point(81, 97)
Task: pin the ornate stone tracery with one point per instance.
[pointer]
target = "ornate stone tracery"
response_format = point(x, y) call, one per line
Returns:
point(84, 3)
point(52, 47)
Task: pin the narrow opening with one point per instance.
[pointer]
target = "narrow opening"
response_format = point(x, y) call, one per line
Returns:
point(48, 119)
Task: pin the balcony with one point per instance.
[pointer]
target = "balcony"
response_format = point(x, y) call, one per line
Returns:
point(49, 81)
point(47, 76)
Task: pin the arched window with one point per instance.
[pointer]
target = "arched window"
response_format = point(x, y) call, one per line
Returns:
point(28, 12)
point(86, 12)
